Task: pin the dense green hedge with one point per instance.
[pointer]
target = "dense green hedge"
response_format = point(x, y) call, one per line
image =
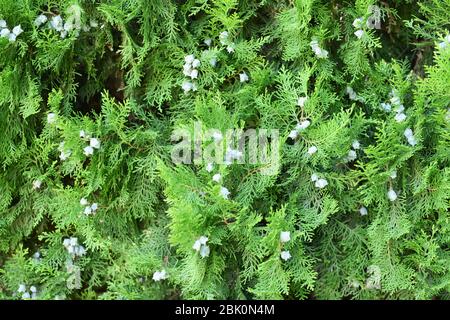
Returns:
point(96, 95)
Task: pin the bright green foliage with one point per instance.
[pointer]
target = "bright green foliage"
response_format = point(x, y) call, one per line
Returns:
point(118, 76)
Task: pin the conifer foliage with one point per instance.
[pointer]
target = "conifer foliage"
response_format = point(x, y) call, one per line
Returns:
point(356, 206)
